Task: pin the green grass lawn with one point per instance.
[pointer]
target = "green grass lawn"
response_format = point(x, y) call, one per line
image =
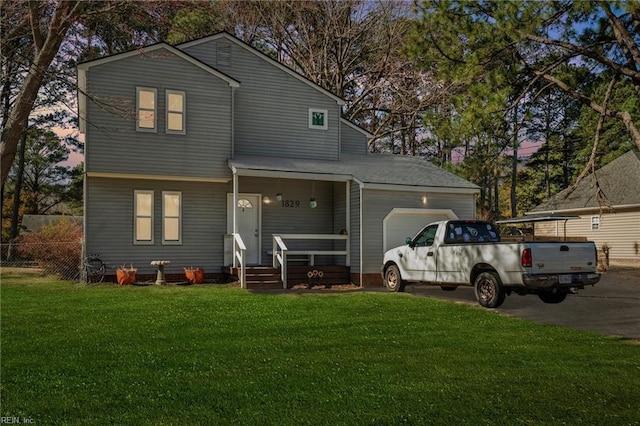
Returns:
point(209, 354)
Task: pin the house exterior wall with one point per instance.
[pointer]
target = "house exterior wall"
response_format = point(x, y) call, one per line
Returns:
point(293, 215)
point(109, 224)
point(352, 141)
point(272, 106)
point(620, 231)
point(113, 144)
point(267, 115)
point(378, 203)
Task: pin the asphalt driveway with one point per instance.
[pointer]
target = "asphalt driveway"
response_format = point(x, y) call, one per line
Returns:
point(611, 307)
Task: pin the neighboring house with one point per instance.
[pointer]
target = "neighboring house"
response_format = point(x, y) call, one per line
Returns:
point(611, 219)
point(176, 136)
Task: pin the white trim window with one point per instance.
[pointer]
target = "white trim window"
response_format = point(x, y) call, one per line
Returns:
point(143, 220)
point(595, 223)
point(171, 217)
point(146, 109)
point(176, 111)
point(318, 119)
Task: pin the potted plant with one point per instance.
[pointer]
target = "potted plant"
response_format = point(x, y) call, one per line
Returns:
point(194, 275)
point(126, 276)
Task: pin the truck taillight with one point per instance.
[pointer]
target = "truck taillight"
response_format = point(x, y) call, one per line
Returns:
point(526, 259)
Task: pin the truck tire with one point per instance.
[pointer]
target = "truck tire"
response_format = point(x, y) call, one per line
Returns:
point(489, 290)
point(393, 280)
point(553, 296)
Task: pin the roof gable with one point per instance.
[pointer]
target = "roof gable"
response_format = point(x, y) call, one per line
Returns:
point(154, 48)
point(357, 128)
point(265, 58)
point(619, 181)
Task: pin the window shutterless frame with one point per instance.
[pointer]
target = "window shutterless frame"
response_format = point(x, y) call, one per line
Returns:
point(146, 109)
point(318, 119)
point(143, 217)
point(171, 217)
point(175, 115)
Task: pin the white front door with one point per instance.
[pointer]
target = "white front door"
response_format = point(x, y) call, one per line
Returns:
point(248, 217)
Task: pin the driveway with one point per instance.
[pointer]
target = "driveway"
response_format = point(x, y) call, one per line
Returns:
point(611, 307)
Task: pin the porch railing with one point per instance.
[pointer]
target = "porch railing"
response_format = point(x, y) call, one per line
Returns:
point(239, 257)
point(280, 250)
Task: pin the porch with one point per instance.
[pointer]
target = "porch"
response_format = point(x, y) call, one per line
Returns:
point(292, 267)
point(269, 278)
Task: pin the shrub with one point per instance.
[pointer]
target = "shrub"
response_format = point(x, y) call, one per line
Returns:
point(55, 248)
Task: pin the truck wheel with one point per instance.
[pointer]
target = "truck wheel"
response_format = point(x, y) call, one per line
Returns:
point(393, 280)
point(552, 296)
point(489, 290)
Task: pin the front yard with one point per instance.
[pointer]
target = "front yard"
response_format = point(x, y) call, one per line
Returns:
point(213, 354)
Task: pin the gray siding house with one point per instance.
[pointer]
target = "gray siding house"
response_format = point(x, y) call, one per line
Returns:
point(212, 154)
point(609, 213)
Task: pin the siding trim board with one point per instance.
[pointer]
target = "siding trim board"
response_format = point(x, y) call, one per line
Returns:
point(109, 175)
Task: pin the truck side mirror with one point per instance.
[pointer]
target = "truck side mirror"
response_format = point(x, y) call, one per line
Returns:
point(408, 240)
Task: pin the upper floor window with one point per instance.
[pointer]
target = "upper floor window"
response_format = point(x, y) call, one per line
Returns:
point(595, 223)
point(171, 217)
point(318, 119)
point(175, 111)
point(146, 100)
point(143, 221)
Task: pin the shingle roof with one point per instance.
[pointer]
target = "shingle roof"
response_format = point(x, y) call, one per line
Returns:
point(619, 181)
point(368, 169)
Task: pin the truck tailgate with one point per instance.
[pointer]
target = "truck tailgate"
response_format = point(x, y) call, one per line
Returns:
point(563, 257)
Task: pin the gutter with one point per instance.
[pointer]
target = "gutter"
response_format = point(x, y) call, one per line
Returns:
point(584, 209)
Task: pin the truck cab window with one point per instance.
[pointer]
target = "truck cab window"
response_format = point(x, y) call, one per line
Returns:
point(426, 237)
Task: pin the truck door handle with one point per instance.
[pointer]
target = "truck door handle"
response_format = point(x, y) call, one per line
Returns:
point(430, 253)
point(564, 248)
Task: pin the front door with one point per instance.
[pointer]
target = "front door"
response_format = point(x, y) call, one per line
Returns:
point(248, 217)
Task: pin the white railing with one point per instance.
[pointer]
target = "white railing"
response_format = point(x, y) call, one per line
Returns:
point(280, 250)
point(280, 258)
point(240, 256)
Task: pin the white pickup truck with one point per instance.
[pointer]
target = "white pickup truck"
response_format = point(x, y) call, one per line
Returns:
point(470, 253)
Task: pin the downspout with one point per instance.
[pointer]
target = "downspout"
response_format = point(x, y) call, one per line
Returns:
point(339, 135)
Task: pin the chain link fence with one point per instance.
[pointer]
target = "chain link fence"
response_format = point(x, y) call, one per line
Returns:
point(62, 259)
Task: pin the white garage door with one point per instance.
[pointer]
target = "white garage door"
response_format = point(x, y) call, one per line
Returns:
point(402, 223)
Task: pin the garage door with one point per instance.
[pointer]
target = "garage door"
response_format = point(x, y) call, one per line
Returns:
point(402, 223)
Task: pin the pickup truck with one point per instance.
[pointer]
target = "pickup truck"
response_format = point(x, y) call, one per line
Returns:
point(470, 253)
